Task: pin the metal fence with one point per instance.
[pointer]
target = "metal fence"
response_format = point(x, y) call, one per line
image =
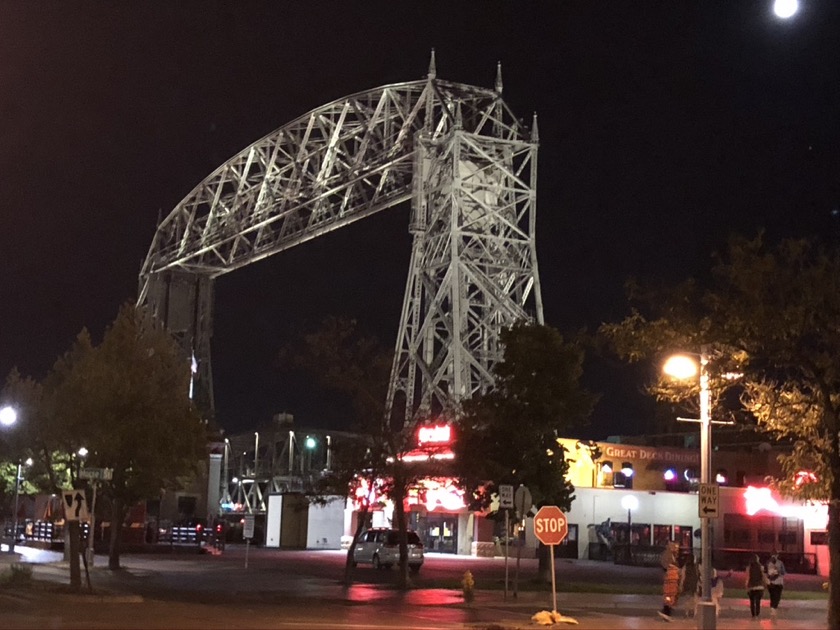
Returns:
point(738, 559)
point(722, 558)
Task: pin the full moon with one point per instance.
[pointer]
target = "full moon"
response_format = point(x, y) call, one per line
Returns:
point(785, 8)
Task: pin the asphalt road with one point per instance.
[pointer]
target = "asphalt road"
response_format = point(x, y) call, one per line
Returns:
point(302, 589)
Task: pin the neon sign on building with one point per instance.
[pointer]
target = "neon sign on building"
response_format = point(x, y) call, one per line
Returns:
point(812, 515)
point(437, 434)
point(437, 493)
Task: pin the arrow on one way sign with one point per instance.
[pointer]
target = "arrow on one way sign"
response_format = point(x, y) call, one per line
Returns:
point(708, 500)
point(75, 506)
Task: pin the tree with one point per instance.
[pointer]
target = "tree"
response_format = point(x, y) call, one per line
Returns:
point(771, 315)
point(130, 399)
point(510, 434)
point(50, 440)
point(125, 400)
point(358, 367)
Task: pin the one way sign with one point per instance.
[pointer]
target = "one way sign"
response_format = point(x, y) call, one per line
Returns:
point(707, 504)
point(75, 506)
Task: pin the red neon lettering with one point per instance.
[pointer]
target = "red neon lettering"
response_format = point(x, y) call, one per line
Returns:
point(438, 434)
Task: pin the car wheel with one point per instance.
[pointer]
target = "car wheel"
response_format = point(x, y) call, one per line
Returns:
point(376, 563)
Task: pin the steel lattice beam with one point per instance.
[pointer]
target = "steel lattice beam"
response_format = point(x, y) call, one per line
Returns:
point(456, 150)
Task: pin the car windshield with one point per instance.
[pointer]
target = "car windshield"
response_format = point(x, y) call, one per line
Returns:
point(394, 538)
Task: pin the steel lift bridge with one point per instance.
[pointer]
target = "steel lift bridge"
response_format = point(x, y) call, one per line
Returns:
point(467, 165)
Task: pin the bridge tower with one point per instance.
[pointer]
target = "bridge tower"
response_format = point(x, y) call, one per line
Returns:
point(456, 152)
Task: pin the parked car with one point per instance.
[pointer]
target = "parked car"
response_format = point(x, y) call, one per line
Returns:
point(380, 547)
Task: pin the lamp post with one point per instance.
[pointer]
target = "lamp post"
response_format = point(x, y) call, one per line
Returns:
point(629, 502)
point(17, 494)
point(682, 367)
point(8, 417)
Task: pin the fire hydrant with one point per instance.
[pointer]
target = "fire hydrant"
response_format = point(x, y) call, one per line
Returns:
point(468, 586)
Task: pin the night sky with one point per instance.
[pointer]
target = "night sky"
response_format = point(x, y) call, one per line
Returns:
point(664, 128)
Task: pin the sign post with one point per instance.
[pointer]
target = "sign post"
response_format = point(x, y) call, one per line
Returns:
point(94, 475)
point(248, 534)
point(550, 528)
point(523, 501)
point(506, 503)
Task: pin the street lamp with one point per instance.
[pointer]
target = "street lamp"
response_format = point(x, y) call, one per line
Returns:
point(785, 8)
point(28, 462)
point(310, 444)
point(682, 367)
point(629, 502)
point(8, 416)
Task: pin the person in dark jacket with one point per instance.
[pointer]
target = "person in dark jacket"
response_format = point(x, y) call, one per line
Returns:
point(690, 578)
point(755, 583)
point(775, 570)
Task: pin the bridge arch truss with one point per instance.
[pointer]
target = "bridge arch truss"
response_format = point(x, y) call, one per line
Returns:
point(456, 152)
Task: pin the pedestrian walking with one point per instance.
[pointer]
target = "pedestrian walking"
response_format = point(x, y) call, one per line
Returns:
point(669, 555)
point(671, 581)
point(690, 580)
point(717, 588)
point(717, 591)
point(755, 583)
point(775, 570)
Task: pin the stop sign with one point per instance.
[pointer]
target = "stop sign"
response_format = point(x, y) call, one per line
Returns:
point(550, 525)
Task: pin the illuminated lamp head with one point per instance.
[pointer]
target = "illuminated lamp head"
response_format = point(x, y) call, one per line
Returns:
point(629, 502)
point(721, 476)
point(606, 468)
point(627, 469)
point(670, 474)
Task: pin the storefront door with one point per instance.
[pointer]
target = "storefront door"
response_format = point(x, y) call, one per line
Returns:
point(440, 533)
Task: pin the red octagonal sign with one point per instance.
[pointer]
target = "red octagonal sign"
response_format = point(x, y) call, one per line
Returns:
point(550, 525)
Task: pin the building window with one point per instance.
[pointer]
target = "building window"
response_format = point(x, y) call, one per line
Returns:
point(661, 535)
point(606, 476)
point(787, 538)
point(187, 506)
point(819, 538)
point(682, 536)
point(739, 537)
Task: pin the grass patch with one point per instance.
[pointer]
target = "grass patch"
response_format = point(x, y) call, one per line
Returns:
point(804, 595)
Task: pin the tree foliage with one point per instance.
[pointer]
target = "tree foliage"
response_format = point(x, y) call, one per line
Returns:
point(509, 435)
point(772, 316)
point(358, 367)
point(124, 400)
